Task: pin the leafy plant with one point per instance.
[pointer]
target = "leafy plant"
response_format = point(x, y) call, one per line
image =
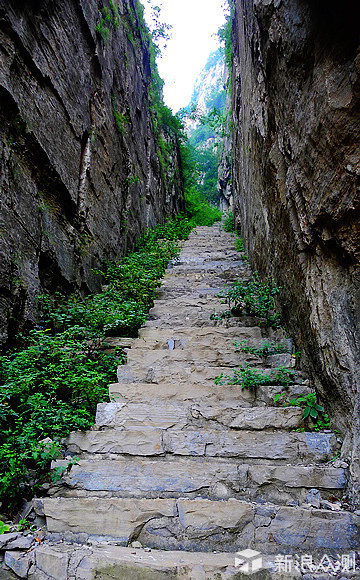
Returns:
point(121, 120)
point(58, 472)
point(255, 298)
point(250, 378)
point(4, 527)
point(109, 19)
point(229, 222)
point(22, 525)
point(221, 316)
point(267, 348)
point(312, 411)
point(239, 244)
point(239, 247)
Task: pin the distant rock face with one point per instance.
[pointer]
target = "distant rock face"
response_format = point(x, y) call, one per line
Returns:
point(224, 184)
point(79, 167)
point(296, 104)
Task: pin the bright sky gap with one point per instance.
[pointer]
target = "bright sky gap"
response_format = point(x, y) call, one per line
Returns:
point(195, 24)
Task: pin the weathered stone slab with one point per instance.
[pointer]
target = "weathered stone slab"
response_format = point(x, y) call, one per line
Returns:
point(206, 336)
point(104, 562)
point(313, 530)
point(199, 521)
point(146, 441)
point(53, 562)
point(212, 348)
point(267, 418)
point(119, 518)
point(312, 447)
point(179, 414)
point(130, 415)
point(18, 562)
point(190, 371)
point(202, 393)
point(133, 476)
point(219, 356)
point(297, 476)
point(206, 514)
point(160, 392)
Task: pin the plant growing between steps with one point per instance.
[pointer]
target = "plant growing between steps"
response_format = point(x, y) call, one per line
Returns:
point(313, 413)
point(239, 247)
point(254, 298)
point(249, 378)
point(266, 348)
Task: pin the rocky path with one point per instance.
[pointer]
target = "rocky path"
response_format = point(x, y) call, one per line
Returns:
point(177, 468)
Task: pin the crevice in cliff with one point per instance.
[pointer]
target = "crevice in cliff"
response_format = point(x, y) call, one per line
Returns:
point(50, 275)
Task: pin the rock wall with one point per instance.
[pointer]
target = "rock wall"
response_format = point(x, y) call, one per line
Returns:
point(79, 165)
point(296, 104)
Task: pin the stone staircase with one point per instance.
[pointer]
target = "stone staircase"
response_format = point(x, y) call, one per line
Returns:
point(184, 467)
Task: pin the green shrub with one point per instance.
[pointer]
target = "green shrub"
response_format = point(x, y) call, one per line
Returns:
point(250, 378)
point(229, 222)
point(50, 387)
point(199, 210)
point(267, 348)
point(109, 19)
point(254, 298)
point(313, 413)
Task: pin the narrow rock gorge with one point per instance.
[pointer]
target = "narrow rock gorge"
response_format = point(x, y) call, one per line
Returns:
point(82, 156)
point(296, 102)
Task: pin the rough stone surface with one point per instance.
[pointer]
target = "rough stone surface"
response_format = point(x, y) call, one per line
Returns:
point(120, 518)
point(18, 562)
point(142, 441)
point(176, 462)
point(295, 103)
point(75, 187)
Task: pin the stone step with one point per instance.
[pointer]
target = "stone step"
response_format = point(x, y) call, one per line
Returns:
point(188, 314)
point(217, 321)
point(188, 254)
point(279, 446)
point(203, 393)
point(178, 366)
point(215, 478)
point(226, 271)
point(180, 415)
point(182, 288)
point(142, 359)
point(205, 525)
point(208, 337)
point(107, 561)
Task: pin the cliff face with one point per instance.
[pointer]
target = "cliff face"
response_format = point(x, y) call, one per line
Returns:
point(296, 104)
point(79, 169)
